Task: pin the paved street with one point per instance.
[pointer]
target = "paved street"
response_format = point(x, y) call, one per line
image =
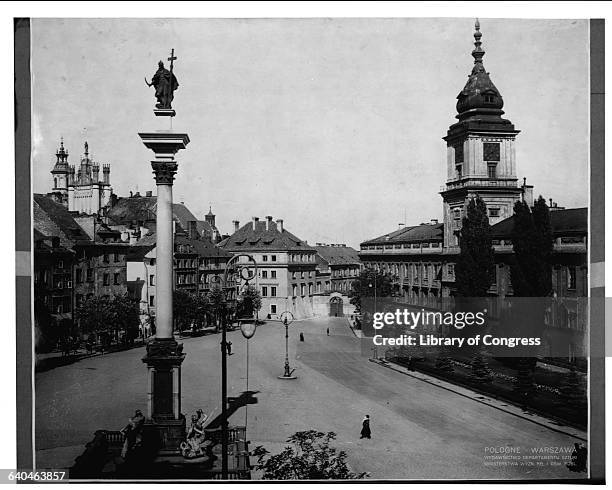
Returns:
point(418, 430)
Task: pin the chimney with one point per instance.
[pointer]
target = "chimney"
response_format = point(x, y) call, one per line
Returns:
point(279, 225)
point(133, 236)
point(149, 194)
point(255, 220)
point(434, 221)
point(192, 231)
point(268, 222)
point(236, 224)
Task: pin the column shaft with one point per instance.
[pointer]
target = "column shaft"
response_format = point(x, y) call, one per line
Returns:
point(165, 261)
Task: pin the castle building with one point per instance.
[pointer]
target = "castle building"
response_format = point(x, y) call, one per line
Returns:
point(84, 191)
point(480, 162)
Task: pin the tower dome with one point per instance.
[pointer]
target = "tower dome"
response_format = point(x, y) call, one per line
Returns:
point(479, 97)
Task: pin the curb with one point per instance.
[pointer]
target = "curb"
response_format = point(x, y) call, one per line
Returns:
point(447, 386)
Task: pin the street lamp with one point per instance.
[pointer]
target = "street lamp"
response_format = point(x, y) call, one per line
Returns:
point(370, 285)
point(246, 271)
point(248, 326)
point(287, 318)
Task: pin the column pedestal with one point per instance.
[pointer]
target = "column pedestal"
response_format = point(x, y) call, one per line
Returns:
point(165, 422)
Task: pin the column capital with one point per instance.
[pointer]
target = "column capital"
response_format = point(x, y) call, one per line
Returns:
point(164, 172)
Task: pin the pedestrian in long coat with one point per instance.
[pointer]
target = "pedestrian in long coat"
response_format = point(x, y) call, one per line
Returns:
point(365, 428)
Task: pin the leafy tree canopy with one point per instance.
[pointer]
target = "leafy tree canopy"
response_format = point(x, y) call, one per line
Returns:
point(308, 457)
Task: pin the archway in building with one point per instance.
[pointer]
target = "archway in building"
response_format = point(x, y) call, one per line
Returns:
point(336, 306)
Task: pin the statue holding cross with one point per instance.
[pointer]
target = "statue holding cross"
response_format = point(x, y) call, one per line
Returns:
point(165, 84)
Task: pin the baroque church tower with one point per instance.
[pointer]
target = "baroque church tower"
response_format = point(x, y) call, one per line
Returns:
point(481, 158)
point(60, 173)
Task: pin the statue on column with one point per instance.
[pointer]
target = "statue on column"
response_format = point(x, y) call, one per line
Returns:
point(165, 84)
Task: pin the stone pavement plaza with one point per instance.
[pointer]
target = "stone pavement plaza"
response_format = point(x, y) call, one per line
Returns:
point(419, 431)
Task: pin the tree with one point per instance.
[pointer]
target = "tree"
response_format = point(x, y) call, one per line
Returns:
point(474, 271)
point(309, 457)
point(217, 303)
point(475, 264)
point(369, 283)
point(125, 312)
point(183, 309)
point(94, 315)
point(531, 277)
point(249, 302)
point(532, 242)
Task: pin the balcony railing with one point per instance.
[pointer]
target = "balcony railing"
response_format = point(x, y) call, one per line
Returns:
point(455, 184)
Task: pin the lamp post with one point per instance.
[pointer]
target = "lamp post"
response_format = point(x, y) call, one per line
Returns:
point(287, 318)
point(370, 285)
point(246, 271)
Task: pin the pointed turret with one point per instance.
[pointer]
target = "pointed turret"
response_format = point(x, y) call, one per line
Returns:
point(60, 171)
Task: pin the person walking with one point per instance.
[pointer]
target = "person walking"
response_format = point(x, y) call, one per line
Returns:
point(328, 331)
point(366, 433)
point(229, 347)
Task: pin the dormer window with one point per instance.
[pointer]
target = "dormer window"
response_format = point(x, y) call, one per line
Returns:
point(489, 99)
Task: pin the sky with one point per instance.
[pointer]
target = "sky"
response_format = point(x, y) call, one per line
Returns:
point(334, 125)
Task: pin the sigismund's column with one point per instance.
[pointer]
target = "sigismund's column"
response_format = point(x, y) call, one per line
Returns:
point(164, 354)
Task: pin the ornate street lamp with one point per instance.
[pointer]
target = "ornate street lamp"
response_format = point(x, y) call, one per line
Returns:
point(246, 271)
point(287, 318)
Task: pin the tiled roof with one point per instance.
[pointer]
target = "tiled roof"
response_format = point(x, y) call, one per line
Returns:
point(335, 255)
point(411, 234)
point(54, 219)
point(201, 247)
point(564, 222)
point(129, 209)
point(260, 238)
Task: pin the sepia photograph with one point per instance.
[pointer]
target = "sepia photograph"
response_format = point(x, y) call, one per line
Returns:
point(311, 249)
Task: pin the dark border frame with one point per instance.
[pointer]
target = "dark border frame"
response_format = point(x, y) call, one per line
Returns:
point(23, 247)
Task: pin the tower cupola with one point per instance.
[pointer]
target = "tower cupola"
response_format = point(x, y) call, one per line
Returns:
point(479, 97)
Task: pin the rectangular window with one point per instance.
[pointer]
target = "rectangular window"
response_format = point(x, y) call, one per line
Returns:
point(60, 264)
point(264, 274)
point(273, 258)
point(494, 212)
point(116, 257)
point(459, 171)
point(151, 300)
point(272, 291)
point(571, 278)
point(294, 287)
point(152, 280)
point(106, 279)
point(273, 309)
point(116, 277)
point(264, 258)
point(264, 291)
point(492, 170)
point(79, 276)
point(459, 153)
point(105, 258)
point(491, 152)
point(451, 270)
point(273, 274)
